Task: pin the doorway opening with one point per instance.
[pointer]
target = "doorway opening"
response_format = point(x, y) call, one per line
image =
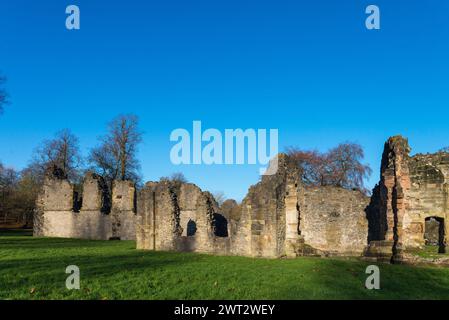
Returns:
point(434, 233)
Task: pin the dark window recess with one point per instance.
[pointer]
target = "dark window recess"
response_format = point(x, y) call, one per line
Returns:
point(191, 228)
point(106, 199)
point(221, 225)
point(77, 201)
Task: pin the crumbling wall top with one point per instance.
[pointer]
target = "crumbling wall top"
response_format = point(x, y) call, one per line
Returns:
point(57, 194)
point(96, 195)
point(399, 143)
point(123, 195)
point(286, 171)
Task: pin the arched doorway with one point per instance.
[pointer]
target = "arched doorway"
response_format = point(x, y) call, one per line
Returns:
point(221, 225)
point(191, 228)
point(434, 233)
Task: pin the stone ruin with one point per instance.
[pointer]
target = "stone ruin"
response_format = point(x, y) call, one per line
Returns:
point(96, 213)
point(178, 216)
point(280, 216)
point(410, 205)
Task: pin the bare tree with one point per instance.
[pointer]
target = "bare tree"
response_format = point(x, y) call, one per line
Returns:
point(8, 182)
point(176, 178)
point(103, 161)
point(18, 193)
point(220, 197)
point(8, 178)
point(341, 166)
point(28, 187)
point(312, 164)
point(62, 152)
point(345, 167)
point(3, 94)
point(115, 157)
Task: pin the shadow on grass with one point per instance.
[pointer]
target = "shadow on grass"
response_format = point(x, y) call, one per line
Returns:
point(53, 243)
point(16, 232)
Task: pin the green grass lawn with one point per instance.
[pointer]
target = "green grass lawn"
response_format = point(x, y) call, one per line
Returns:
point(34, 268)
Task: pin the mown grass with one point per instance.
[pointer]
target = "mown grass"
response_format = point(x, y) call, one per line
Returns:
point(34, 268)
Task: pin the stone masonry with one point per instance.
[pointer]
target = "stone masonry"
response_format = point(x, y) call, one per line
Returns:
point(412, 190)
point(279, 216)
point(99, 216)
point(268, 220)
point(334, 220)
point(178, 216)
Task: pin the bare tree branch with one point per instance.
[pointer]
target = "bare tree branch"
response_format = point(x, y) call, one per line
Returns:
point(62, 152)
point(115, 157)
point(220, 197)
point(341, 166)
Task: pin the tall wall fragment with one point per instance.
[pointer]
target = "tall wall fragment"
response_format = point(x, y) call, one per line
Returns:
point(123, 210)
point(178, 216)
point(99, 216)
point(269, 219)
point(334, 220)
point(411, 190)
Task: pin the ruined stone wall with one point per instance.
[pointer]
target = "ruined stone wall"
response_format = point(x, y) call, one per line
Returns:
point(278, 217)
point(410, 190)
point(333, 220)
point(158, 223)
point(97, 219)
point(391, 197)
point(123, 210)
point(428, 196)
point(178, 216)
point(257, 227)
point(268, 222)
point(53, 216)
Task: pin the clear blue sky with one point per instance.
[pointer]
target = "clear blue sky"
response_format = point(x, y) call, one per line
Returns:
point(308, 68)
